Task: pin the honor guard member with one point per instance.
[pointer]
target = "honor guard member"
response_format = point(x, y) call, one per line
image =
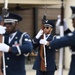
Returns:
point(67, 40)
point(15, 45)
point(50, 54)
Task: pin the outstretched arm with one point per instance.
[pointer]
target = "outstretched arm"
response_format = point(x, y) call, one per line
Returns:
point(67, 40)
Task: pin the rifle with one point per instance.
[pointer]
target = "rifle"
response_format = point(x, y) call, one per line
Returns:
point(61, 34)
point(4, 14)
point(42, 50)
point(1, 23)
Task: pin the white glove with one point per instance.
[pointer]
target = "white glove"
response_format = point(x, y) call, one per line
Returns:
point(58, 24)
point(43, 41)
point(4, 47)
point(65, 25)
point(2, 29)
point(39, 34)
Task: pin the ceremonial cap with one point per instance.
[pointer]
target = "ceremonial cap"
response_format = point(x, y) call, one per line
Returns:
point(12, 17)
point(73, 12)
point(49, 23)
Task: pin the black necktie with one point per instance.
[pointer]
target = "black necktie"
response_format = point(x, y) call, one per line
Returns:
point(11, 36)
point(46, 35)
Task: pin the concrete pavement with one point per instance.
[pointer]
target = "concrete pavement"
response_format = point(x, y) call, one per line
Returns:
point(30, 71)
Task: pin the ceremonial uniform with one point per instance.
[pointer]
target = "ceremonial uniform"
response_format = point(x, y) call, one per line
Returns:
point(15, 60)
point(50, 56)
point(67, 40)
point(18, 44)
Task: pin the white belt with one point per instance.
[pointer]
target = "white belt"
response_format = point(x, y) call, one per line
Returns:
point(73, 52)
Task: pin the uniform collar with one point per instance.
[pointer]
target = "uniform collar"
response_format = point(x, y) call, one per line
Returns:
point(13, 34)
point(48, 35)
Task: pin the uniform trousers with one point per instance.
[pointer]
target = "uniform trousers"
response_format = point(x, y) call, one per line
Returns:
point(45, 73)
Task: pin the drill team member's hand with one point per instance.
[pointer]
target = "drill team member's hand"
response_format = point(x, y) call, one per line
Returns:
point(43, 41)
point(39, 34)
point(4, 47)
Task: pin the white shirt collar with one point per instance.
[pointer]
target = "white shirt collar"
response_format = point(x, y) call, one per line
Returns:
point(13, 34)
point(48, 35)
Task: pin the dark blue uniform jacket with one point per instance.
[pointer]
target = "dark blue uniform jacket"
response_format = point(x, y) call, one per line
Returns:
point(67, 40)
point(15, 60)
point(50, 55)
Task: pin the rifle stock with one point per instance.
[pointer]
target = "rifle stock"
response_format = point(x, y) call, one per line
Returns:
point(42, 67)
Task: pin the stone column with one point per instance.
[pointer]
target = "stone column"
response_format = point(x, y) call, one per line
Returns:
point(68, 13)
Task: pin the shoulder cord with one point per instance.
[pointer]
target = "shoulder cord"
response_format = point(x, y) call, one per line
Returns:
point(20, 41)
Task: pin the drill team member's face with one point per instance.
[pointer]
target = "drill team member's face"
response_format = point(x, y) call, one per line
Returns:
point(11, 27)
point(47, 30)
